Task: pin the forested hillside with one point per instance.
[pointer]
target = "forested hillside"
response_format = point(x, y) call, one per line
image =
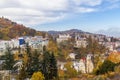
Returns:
point(9, 29)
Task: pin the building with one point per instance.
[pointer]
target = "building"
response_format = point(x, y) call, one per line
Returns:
point(63, 37)
point(79, 65)
point(34, 42)
point(110, 45)
point(3, 46)
point(89, 63)
point(80, 42)
point(61, 64)
point(37, 41)
point(72, 56)
point(83, 65)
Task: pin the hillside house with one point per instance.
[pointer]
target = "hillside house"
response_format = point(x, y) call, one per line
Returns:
point(80, 42)
point(72, 56)
point(34, 42)
point(89, 63)
point(79, 65)
point(63, 37)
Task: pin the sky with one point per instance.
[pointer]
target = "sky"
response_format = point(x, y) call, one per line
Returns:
point(44, 15)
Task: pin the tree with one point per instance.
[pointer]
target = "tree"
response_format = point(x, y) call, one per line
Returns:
point(114, 57)
point(96, 69)
point(29, 62)
point(117, 68)
point(46, 65)
point(35, 64)
point(70, 71)
point(49, 65)
point(53, 67)
point(66, 47)
point(22, 74)
point(28, 50)
point(95, 48)
point(37, 76)
point(106, 67)
point(9, 59)
point(1, 35)
point(52, 46)
point(16, 56)
point(92, 46)
point(61, 73)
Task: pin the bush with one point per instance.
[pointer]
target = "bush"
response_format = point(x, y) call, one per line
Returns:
point(61, 73)
point(117, 69)
point(106, 67)
point(37, 76)
point(70, 71)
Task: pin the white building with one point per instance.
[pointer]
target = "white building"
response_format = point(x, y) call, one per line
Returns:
point(89, 63)
point(72, 55)
point(79, 66)
point(63, 37)
point(34, 42)
point(14, 43)
point(85, 65)
point(61, 65)
point(117, 44)
point(80, 42)
point(110, 45)
point(37, 41)
point(3, 45)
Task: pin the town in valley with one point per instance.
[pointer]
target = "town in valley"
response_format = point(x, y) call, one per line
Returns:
point(74, 54)
point(59, 39)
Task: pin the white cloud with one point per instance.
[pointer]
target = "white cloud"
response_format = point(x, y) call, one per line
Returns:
point(32, 12)
point(19, 12)
point(30, 19)
point(113, 31)
point(84, 10)
point(88, 2)
point(52, 5)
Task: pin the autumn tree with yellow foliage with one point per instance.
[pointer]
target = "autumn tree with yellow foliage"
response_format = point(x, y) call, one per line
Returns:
point(37, 76)
point(70, 71)
point(114, 57)
point(52, 47)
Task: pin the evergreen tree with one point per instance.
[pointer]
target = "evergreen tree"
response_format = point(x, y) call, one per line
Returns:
point(9, 59)
point(53, 67)
point(28, 50)
point(28, 66)
point(35, 66)
point(46, 64)
point(33, 61)
point(49, 67)
point(106, 67)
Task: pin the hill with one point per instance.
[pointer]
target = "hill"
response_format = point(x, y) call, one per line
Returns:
point(10, 29)
point(71, 32)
